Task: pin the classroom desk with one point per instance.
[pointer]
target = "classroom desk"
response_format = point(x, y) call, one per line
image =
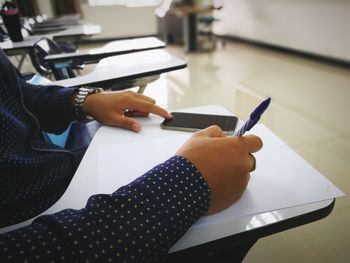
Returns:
point(29, 41)
point(113, 48)
point(190, 15)
point(129, 70)
point(200, 238)
point(21, 48)
point(65, 20)
point(15, 47)
point(82, 30)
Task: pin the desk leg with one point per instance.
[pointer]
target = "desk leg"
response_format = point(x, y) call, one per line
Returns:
point(21, 61)
point(191, 32)
point(141, 89)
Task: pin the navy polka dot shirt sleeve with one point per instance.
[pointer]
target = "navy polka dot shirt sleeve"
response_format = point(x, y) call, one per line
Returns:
point(137, 223)
point(51, 105)
point(33, 173)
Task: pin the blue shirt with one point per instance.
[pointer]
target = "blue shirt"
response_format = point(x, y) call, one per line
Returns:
point(137, 223)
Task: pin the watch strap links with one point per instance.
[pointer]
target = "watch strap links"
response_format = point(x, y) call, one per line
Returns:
point(79, 100)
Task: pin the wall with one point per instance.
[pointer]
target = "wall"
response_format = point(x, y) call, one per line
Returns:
point(315, 26)
point(119, 21)
point(45, 7)
point(116, 21)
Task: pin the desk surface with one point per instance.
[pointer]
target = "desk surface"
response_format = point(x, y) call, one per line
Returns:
point(78, 30)
point(71, 31)
point(113, 48)
point(89, 178)
point(87, 181)
point(60, 21)
point(27, 43)
point(112, 70)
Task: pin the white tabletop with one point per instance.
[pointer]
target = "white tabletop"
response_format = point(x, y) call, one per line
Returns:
point(87, 182)
point(78, 30)
point(28, 42)
point(127, 67)
point(75, 30)
point(112, 48)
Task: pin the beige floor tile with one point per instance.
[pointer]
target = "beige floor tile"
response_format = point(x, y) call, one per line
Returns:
point(329, 237)
point(287, 247)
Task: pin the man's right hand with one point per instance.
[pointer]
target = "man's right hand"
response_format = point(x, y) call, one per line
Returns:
point(224, 162)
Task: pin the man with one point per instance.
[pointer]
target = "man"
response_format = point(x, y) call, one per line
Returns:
point(137, 223)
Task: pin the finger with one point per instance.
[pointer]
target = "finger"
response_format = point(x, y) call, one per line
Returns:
point(130, 95)
point(213, 131)
point(248, 178)
point(128, 123)
point(132, 113)
point(253, 143)
point(145, 106)
point(144, 97)
point(160, 112)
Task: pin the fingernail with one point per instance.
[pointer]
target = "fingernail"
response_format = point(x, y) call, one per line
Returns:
point(136, 127)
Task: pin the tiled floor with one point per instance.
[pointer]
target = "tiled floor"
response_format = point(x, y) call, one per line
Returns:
point(310, 112)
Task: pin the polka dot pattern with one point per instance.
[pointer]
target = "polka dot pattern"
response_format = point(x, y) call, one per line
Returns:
point(33, 173)
point(137, 223)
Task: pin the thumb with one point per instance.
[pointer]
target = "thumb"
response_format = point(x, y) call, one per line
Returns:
point(213, 131)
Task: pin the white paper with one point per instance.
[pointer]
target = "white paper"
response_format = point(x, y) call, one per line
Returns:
point(282, 178)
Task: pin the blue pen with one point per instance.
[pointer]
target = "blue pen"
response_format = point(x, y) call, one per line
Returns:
point(254, 117)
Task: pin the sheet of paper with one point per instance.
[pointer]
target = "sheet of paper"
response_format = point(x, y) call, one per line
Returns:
point(282, 178)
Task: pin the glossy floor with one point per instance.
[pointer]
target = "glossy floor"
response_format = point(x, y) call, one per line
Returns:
point(310, 112)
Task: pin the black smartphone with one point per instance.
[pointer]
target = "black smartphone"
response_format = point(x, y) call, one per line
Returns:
point(183, 121)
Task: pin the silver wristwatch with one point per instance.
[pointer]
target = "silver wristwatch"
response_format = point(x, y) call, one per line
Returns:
point(80, 99)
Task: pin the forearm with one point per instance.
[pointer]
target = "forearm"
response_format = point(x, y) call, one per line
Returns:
point(139, 222)
point(51, 105)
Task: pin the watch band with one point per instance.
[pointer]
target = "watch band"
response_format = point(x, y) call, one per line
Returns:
point(80, 99)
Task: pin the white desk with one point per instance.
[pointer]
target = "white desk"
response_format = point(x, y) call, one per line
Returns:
point(135, 69)
point(23, 47)
point(113, 48)
point(70, 19)
point(87, 182)
point(77, 30)
point(71, 31)
point(27, 43)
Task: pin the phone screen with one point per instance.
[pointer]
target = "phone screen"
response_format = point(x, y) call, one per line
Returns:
point(193, 122)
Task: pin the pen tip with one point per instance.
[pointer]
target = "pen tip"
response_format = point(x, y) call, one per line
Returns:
point(260, 109)
point(266, 102)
